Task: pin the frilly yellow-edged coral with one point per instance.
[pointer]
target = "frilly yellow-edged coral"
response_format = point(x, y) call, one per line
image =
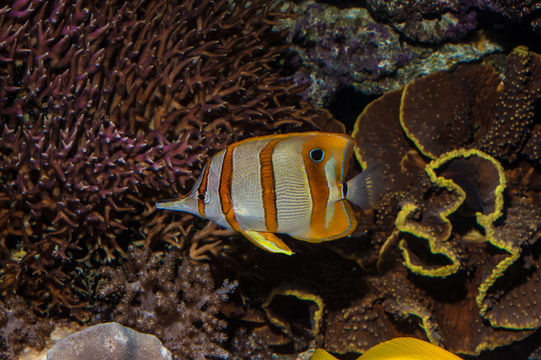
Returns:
point(452, 254)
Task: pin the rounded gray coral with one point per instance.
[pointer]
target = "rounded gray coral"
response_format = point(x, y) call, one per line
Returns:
point(109, 341)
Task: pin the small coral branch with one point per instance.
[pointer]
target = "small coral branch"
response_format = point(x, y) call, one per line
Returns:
point(171, 297)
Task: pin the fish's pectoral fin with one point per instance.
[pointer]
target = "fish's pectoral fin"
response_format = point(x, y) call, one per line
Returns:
point(268, 241)
point(320, 354)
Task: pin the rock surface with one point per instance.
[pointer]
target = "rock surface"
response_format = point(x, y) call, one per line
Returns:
point(109, 341)
point(337, 47)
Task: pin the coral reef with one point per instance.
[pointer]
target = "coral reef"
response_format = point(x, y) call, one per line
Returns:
point(353, 46)
point(437, 21)
point(109, 341)
point(106, 106)
point(468, 185)
point(21, 328)
point(172, 298)
point(452, 252)
point(302, 317)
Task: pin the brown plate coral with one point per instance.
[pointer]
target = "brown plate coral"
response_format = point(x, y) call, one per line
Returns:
point(461, 226)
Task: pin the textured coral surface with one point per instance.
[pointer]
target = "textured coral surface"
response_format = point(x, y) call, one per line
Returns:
point(173, 298)
point(362, 45)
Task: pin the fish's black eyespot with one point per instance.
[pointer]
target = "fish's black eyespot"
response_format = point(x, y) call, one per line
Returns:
point(204, 197)
point(316, 155)
point(344, 190)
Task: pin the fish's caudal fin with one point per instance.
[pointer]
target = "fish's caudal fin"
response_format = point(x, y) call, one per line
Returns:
point(402, 348)
point(364, 189)
point(406, 348)
point(321, 354)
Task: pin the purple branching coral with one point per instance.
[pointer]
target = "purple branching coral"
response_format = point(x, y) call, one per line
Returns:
point(171, 297)
point(106, 106)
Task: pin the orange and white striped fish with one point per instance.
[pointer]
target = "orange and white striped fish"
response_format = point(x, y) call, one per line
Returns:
point(291, 183)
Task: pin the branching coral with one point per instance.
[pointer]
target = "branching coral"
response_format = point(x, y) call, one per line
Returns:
point(106, 106)
point(173, 298)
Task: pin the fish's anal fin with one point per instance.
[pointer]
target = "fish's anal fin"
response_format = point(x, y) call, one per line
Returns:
point(268, 241)
point(320, 354)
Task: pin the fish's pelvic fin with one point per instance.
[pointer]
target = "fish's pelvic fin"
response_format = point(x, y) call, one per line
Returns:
point(268, 241)
point(364, 189)
point(321, 354)
point(406, 348)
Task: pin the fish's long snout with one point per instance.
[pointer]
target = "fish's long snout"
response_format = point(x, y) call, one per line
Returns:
point(176, 205)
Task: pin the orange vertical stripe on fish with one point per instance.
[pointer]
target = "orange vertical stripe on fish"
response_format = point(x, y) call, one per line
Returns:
point(225, 188)
point(290, 183)
point(267, 186)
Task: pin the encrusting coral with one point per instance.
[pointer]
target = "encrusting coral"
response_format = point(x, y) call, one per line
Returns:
point(173, 298)
point(437, 21)
point(475, 108)
point(105, 107)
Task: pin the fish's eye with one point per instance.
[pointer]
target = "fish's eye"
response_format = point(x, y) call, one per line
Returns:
point(316, 155)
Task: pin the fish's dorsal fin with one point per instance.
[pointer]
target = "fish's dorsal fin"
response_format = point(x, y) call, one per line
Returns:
point(406, 348)
point(321, 354)
point(268, 241)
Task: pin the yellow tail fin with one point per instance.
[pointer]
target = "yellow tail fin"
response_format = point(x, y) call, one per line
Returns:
point(407, 349)
point(403, 348)
point(321, 354)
